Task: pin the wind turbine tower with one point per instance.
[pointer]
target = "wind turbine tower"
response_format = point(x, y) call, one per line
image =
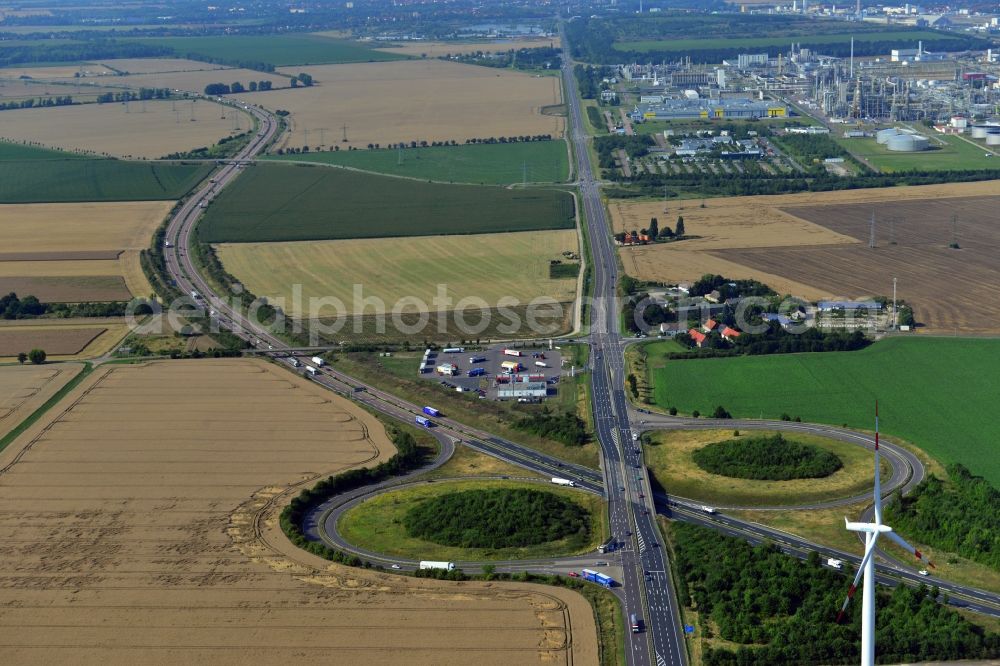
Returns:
point(872, 532)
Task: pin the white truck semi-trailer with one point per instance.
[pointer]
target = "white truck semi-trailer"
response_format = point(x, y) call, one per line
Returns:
point(512, 352)
point(836, 564)
point(708, 509)
point(447, 566)
point(563, 482)
point(311, 370)
point(318, 361)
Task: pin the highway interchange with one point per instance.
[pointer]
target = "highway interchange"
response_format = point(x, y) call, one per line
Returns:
point(632, 511)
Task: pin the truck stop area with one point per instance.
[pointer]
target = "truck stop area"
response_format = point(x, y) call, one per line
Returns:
point(528, 377)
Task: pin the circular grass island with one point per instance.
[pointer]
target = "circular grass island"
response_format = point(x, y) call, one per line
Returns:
point(767, 458)
point(673, 459)
point(476, 520)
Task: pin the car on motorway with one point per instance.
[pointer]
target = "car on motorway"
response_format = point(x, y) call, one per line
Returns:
point(394, 566)
point(923, 572)
point(573, 574)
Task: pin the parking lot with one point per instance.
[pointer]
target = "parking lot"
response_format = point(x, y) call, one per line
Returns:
point(489, 361)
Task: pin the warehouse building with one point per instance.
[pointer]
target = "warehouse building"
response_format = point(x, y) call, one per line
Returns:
point(706, 109)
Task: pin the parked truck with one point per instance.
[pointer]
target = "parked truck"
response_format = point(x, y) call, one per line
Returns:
point(318, 360)
point(430, 411)
point(477, 372)
point(428, 564)
point(563, 482)
point(476, 359)
point(512, 352)
point(453, 350)
point(541, 364)
point(424, 421)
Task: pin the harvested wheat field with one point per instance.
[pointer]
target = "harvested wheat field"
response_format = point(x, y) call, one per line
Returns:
point(483, 266)
point(57, 341)
point(157, 65)
point(57, 241)
point(413, 100)
point(437, 49)
point(56, 71)
point(124, 131)
point(815, 246)
point(196, 80)
point(152, 543)
point(23, 389)
point(19, 89)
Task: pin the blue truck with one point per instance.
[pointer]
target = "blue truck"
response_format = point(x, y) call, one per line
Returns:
point(424, 421)
point(596, 577)
point(430, 411)
point(477, 372)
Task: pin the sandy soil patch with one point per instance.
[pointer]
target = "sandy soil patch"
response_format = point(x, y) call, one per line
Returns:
point(125, 131)
point(77, 239)
point(436, 49)
point(419, 100)
point(157, 65)
point(23, 389)
point(170, 551)
point(480, 266)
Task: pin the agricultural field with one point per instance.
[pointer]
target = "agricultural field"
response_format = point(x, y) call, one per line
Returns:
point(277, 202)
point(482, 163)
point(392, 269)
point(61, 338)
point(56, 71)
point(377, 524)
point(195, 81)
point(668, 454)
point(276, 50)
point(16, 90)
point(141, 129)
point(947, 153)
point(157, 65)
point(23, 389)
point(438, 49)
point(816, 246)
point(922, 385)
point(29, 174)
point(77, 252)
point(194, 542)
point(389, 103)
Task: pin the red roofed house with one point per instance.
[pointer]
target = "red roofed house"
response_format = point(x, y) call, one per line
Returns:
point(629, 238)
point(730, 333)
point(709, 325)
point(697, 336)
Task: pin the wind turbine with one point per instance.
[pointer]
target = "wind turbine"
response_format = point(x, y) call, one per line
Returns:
point(872, 532)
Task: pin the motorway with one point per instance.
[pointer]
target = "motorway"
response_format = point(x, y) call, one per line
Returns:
point(651, 598)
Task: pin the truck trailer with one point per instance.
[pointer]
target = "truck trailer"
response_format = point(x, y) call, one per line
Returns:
point(477, 372)
point(453, 350)
point(311, 370)
point(541, 364)
point(428, 564)
point(599, 578)
point(836, 564)
point(424, 421)
point(476, 359)
point(318, 360)
point(563, 482)
point(512, 352)
point(430, 411)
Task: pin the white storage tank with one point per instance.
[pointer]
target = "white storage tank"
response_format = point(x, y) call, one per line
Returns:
point(993, 139)
point(979, 132)
point(908, 143)
point(883, 136)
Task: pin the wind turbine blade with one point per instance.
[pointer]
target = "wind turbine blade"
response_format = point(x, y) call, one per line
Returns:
point(878, 480)
point(902, 542)
point(857, 576)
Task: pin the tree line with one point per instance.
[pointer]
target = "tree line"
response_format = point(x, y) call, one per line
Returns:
point(39, 102)
point(958, 515)
point(497, 518)
point(29, 307)
point(565, 427)
point(217, 89)
point(781, 610)
point(132, 95)
point(768, 458)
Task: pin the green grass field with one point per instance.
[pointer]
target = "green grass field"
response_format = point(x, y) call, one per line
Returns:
point(277, 50)
point(377, 524)
point(957, 154)
point(278, 202)
point(31, 175)
point(486, 164)
point(684, 45)
point(938, 393)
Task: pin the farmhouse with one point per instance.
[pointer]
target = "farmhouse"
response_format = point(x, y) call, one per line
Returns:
point(697, 336)
point(730, 334)
point(710, 325)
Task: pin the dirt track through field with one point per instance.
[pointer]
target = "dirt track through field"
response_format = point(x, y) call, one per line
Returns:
point(139, 526)
point(25, 388)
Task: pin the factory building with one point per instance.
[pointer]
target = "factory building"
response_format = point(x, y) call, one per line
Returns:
point(686, 109)
point(748, 60)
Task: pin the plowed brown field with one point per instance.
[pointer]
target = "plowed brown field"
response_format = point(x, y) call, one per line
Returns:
point(138, 525)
